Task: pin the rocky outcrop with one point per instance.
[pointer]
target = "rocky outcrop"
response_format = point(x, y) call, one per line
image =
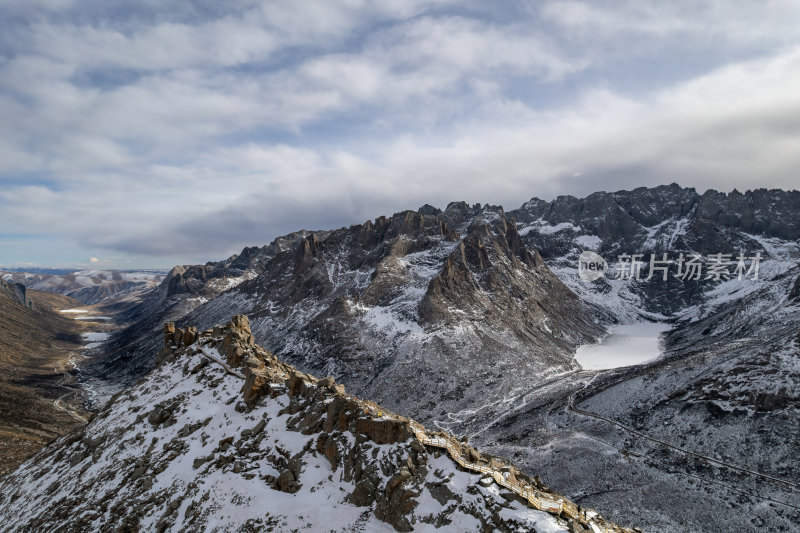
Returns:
point(323, 408)
point(264, 375)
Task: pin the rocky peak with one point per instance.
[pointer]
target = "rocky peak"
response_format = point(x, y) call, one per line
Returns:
point(489, 261)
point(497, 231)
point(458, 215)
point(428, 209)
point(650, 206)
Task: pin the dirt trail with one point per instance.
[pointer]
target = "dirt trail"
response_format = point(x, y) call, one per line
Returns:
point(66, 380)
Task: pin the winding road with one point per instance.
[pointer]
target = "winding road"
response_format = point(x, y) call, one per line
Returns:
point(66, 379)
point(570, 407)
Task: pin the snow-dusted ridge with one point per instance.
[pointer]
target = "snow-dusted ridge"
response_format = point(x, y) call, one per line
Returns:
point(178, 452)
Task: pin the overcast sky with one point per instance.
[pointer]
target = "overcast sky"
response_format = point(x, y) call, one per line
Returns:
point(158, 132)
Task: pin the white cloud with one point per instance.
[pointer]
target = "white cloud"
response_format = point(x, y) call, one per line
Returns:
point(176, 134)
point(224, 42)
point(745, 23)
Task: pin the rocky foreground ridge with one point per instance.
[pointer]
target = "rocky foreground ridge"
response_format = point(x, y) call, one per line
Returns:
point(223, 436)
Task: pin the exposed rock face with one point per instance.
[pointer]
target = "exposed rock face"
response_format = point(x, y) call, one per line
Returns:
point(761, 212)
point(16, 292)
point(621, 219)
point(664, 219)
point(176, 452)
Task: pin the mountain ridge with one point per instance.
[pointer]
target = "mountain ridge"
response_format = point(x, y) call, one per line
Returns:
point(308, 431)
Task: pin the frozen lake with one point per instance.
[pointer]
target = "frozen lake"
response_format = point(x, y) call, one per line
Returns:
point(94, 339)
point(630, 344)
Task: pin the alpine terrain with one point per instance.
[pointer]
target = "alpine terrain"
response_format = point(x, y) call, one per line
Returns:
point(221, 435)
point(639, 350)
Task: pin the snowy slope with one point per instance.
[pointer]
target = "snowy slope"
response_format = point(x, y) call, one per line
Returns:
point(181, 451)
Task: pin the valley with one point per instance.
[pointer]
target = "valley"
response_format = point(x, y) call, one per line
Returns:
point(46, 338)
point(37, 347)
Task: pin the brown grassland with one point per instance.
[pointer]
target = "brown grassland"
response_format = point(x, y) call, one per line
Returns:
point(36, 402)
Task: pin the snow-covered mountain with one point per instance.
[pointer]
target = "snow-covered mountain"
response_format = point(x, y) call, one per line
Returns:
point(671, 220)
point(469, 319)
point(89, 286)
point(222, 436)
point(712, 423)
point(451, 304)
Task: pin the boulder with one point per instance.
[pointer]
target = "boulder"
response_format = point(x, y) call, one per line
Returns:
point(241, 322)
point(235, 354)
point(189, 335)
point(364, 493)
point(169, 332)
point(297, 383)
point(287, 482)
point(259, 427)
point(332, 453)
point(327, 382)
point(254, 385)
point(473, 456)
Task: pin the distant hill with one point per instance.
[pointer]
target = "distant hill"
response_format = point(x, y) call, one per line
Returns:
point(88, 286)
